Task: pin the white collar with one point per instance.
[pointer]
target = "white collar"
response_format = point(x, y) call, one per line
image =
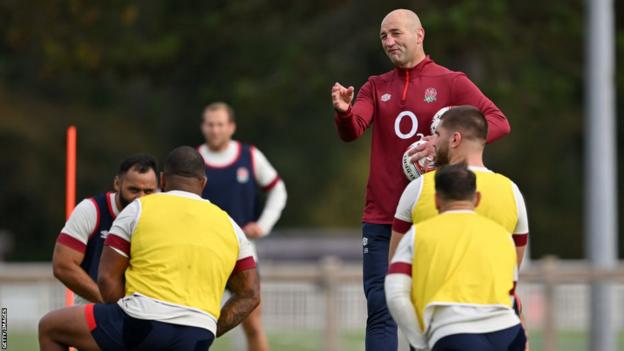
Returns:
point(183, 193)
point(459, 211)
point(479, 169)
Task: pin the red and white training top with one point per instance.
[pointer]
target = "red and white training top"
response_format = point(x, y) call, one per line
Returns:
point(83, 221)
point(265, 176)
point(400, 104)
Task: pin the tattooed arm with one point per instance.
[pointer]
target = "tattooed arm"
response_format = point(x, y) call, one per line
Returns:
point(245, 289)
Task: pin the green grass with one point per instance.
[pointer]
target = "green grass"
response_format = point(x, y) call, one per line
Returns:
point(569, 341)
point(292, 341)
point(312, 341)
point(295, 341)
point(22, 341)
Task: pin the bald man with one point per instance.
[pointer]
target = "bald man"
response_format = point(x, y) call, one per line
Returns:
point(400, 105)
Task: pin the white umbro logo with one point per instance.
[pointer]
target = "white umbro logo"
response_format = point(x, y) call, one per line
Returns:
point(103, 234)
point(386, 97)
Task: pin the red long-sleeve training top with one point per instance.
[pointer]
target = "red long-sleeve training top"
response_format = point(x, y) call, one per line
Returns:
point(400, 104)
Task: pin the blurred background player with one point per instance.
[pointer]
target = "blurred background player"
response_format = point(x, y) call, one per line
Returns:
point(235, 172)
point(399, 104)
point(461, 137)
point(449, 284)
point(177, 252)
point(78, 247)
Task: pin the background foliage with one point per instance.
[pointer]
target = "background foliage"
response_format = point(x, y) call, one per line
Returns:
point(134, 76)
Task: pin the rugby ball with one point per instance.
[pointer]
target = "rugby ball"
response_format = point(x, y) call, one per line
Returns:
point(415, 170)
point(437, 118)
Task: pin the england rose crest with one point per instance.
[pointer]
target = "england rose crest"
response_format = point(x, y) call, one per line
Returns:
point(242, 175)
point(430, 95)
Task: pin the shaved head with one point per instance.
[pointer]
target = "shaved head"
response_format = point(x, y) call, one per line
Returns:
point(184, 161)
point(184, 170)
point(402, 37)
point(404, 16)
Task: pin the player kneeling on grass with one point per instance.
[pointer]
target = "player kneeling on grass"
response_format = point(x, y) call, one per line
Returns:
point(451, 281)
point(177, 253)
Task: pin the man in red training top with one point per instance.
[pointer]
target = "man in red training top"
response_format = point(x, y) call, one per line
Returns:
point(401, 104)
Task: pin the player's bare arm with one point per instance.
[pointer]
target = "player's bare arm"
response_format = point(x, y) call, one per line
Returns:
point(342, 97)
point(110, 275)
point(66, 267)
point(245, 289)
point(520, 254)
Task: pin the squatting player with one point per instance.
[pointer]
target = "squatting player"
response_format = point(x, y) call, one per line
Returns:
point(79, 245)
point(236, 171)
point(449, 284)
point(177, 252)
point(460, 138)
point(398, 104)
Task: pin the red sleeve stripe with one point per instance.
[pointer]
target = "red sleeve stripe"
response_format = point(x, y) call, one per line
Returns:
point(401, 226)
point(118, 243)
point(71, 242)
point(90, 317)
point(512, 292)
point(272, 184)
point(401, 268)
point(521, 239)
point(244, 264)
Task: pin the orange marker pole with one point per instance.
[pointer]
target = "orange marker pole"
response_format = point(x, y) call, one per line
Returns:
point(70, 189)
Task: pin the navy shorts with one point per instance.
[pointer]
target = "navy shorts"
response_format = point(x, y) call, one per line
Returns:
point(510, 339)
point(114, 330)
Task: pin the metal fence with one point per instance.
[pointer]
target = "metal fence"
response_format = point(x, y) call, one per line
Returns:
point(327, 297)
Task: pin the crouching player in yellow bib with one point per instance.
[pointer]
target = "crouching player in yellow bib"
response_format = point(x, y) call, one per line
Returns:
point(451, 281)
point(461, 137)
point(177, 253)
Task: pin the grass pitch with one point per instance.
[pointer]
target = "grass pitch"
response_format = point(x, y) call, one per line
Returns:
point(312, 341)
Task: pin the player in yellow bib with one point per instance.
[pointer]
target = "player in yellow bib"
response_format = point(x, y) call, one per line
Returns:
point(450, 282)
point(461, 137)
point(164, 268)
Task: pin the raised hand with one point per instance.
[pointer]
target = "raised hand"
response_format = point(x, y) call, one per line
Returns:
point(342, 97)
point(253, 230)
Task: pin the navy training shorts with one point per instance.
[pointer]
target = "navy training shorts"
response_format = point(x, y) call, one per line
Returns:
point(114, 330)
point(510, 339)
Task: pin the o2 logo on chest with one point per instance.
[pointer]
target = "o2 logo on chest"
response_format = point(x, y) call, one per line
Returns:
point(242, 175)
point(413, 122)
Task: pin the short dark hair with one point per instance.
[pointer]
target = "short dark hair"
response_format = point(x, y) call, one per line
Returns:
point(468, 120)
point(455, 182)
point(220, 105)
point(185, 161)
point(141, 163)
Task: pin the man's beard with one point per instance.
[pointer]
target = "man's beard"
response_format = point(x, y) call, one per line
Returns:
point(123, 201)
point(441, 156)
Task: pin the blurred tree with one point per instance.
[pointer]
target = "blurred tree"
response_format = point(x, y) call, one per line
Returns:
point(134, 76)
